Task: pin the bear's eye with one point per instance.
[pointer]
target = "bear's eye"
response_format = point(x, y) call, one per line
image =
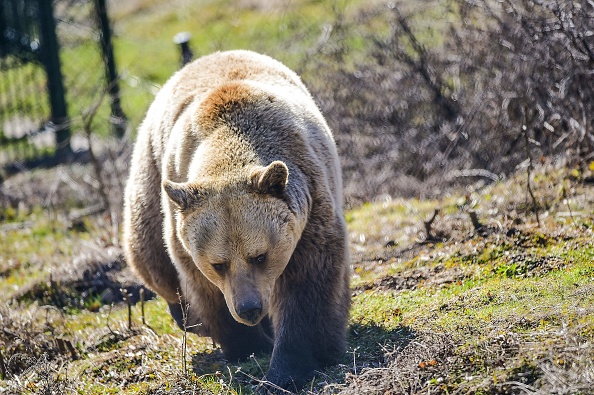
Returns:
point(219, 267)
point(259, 260)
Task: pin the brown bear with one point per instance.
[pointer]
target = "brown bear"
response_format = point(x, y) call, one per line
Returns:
point(234, 207)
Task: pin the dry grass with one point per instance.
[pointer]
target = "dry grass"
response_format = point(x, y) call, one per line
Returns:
point(506, 308)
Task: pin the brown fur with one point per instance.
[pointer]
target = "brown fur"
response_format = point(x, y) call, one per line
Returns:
point(234, 203)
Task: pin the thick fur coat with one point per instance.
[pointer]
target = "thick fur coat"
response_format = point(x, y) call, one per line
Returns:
point(234, 208)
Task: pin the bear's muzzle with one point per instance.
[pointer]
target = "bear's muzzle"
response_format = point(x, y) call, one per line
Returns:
point(249, 310)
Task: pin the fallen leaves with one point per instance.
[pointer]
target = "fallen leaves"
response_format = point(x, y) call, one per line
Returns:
point(427, 364)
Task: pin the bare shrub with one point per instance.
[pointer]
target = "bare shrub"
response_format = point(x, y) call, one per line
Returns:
point(533, 63)
point(411, 117)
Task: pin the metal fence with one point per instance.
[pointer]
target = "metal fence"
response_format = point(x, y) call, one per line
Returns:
point(56, 66)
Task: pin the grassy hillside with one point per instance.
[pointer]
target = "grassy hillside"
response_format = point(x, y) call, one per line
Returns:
point(503, 308)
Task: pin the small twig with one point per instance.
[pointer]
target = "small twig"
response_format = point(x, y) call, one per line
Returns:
point(126, 297)
point(96, 165)
point(141, 294)
point(66, 346)
point(566, 201)
point(476, 224)
point(85, 212)
point(529, 169)
point(354, 358)
point(185, 330)
point(230, 379)
point(118, 174)
point(428, 224)
point(16, 226)
point(253, 356)
point(143, 317)
point(116, 333)
point(528, 389)
point(529, 187)
point(2, 367)
point(71, 350)
point(87, 127)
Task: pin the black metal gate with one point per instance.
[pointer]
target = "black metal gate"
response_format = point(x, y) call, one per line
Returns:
point(56, 62)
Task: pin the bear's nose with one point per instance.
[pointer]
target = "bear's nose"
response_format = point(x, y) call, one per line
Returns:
point(249, 310)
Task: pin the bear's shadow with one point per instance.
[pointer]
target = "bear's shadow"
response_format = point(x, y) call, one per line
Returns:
point(367, 347)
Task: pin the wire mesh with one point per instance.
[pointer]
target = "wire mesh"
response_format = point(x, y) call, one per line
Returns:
point(22, 109)
point(26, 132)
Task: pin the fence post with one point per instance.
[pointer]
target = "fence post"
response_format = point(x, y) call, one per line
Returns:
point(50, 57)
point(183, 40)
point(118, 118)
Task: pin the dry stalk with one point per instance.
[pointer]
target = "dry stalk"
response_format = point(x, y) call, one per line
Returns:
point(126, 297)
point(111, 331)
point(97, 167)
point(65, 346)
point(2, 367)
point(476, 224)
point(88, 120)
point(184, 309)
point(428, 224)
point(141, 294)
point(142, 314)
point(529, 169)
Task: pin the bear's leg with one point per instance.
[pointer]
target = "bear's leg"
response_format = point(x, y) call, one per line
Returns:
point(143, 226)
point(309, 323)
point(241, 341)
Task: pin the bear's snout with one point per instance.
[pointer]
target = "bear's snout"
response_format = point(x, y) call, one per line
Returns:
point(250, 310)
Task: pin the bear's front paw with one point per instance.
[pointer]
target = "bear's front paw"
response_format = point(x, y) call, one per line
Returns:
point(244, 341)
point(240, 352)
point(278, 386)
point(287, 375)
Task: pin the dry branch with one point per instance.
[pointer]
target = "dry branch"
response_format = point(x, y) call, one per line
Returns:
point(141, 293)
point(2, 367)
point(476, 224)
point(529, 171)
point(429, 235)
point(126, 297)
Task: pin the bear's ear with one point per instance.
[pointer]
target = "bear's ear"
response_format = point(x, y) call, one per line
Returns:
point(184, 196)
point(271, 179)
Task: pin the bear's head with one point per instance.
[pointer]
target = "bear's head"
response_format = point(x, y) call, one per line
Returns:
point(240, 234)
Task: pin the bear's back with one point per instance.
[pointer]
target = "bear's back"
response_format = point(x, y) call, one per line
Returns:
point(198, 79)
point(205, 92)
